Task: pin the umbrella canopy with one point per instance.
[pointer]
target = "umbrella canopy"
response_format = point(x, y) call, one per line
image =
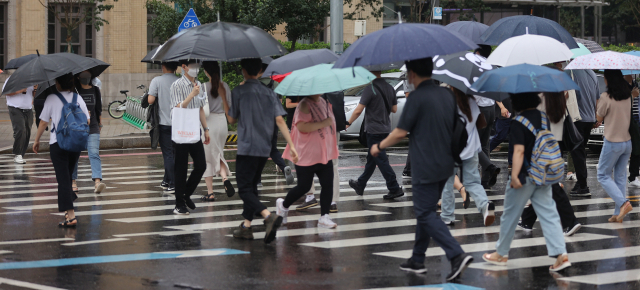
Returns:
point(300, 59)
point(606, 60)
point(147, 58)
point(582, 50)
point(531, 49)
point(508, 27)
point(80, 63)
point(267, 59)
point(219, 41)
point(632, 72)
point(524, 78)
point(471, 29)
point(320, 79)
point(460, 70)
point(17, 62)
point(590, 44)
point(402, 42)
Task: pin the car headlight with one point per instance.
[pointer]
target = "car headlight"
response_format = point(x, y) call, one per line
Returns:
point(349, 108)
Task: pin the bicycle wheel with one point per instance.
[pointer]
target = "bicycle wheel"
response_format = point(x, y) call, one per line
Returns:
point(115, 109)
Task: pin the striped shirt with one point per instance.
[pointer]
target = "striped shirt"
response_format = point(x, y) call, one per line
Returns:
point(180, 90)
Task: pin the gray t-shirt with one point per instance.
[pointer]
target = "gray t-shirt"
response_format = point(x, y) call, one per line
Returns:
point(588, 94)
point(255, 107)
point(428, 115)
point(160, 88)
point(377, 119)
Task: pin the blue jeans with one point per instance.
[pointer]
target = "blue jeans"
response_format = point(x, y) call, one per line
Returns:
point(93, 147)
point(613, 160)
point(425, 201)
point(382, 161)
point(471, 181)
point(545, 208)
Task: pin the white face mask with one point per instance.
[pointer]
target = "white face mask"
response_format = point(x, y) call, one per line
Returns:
point(409, 86)
point(193, 72)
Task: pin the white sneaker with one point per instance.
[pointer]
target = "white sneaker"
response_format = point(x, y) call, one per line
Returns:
point(326, 223)
point(571, 177)
point(281, 211)
point(18, 160)
point(635, 183)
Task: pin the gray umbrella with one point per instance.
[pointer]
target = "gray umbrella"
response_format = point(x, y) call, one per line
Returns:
point(219, 41)
point(591, 45)
point(300, 59)
point(147, 58)
point(17, 62)
point(471, 29)
point(526, 24)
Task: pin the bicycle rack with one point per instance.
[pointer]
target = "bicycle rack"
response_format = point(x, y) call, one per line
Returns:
point(135, 114)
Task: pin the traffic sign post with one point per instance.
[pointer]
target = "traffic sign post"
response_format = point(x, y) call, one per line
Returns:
point(437, 13)
point(190, 20)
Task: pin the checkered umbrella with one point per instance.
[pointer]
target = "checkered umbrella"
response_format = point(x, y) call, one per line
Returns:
point(591, 45)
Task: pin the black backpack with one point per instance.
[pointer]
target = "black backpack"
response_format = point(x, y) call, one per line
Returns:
point(336, 99)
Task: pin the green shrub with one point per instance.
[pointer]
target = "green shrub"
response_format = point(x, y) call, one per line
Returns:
point(621, 48)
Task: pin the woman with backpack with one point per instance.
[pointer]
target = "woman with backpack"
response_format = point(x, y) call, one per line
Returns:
point(614, 110)
point(93, 99)
point(64, 161)
point(522, 187)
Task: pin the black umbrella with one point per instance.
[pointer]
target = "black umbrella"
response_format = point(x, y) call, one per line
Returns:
point(219, 41)
point(526, 24)
point(17, 62)
point(81, 63)
point(460, 70)
point(147, 58)
point(300, 59)
point(471, 29)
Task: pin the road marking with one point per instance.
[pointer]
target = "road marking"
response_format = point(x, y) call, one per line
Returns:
point(615, 226)
point(368, 190)
point(20, 242)
point(149, 208)
point(339, 229)
point(164, 233)
point(93, 203)
point(5, 252)
point(606, 277)
point(41, 190)
point(95, 242)
point(85, 170)
point(80, 195)
point(26, 284)
point(447, 286)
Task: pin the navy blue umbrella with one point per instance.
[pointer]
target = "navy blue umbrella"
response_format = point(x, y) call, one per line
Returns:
point(526, 24)
point(300, 59)
point(471, 29)
point(524, 78)
point(402, 42)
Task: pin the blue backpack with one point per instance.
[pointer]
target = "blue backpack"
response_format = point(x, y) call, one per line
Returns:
point(72, 131)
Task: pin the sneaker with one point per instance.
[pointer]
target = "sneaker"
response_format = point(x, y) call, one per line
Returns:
point(181, 210)
point(492, 173)
point(308, 204)
point(326, 223)
point(635, 183)
point(259, 184)
point(489, 214)
point(356, 187)
point(572, 230)
point(580, 192)
point(278, 170)
point(164, 185)
point(406, 176)
point(18, 160)
point(281, 210)
point(288, 175)
point(271, 224)
point(99, 187)
point(392, 195)
point(524, 227)
point(412, 266)
point(243, 233)
point(571, 177)
point(458, 265)
point(189, 202)
point(170, 190)
point(333, 208)
point(449, 223)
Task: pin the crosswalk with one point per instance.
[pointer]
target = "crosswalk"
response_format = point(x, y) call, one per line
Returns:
point(134, 209)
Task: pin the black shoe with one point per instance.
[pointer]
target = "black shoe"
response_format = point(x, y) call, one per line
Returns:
point(271, 223)
point(451, 223)
point(406, 175)
point(458, 265)
point(189, 202)
point(228, 188)
point(164, 185)
point(170, 190)
point(333, 208)
point(392, 195)
point(356, 187)
point(412, 266)
point(308, 204)
point(181, 210)
point(526, 228)
point(580, 192)
point(569, 231)
point(243, 233)
point(493, 172)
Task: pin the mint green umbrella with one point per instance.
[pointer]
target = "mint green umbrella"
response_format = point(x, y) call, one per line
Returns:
point(321, 78)
point(580, 51)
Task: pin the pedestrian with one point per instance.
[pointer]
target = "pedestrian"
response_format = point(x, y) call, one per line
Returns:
point(433, 162)
point(257, 111)
point(522, 188)
point(470, 111)
point(406, 171)
point(614, 109)
point(219, 97)
point(587, 97)
point(503, 124)
point(314, 134)
point(20, 105)
point(160, 90)
point(186, 93)
point(93, 100)
point(634, 162)
point(63, 161)
point(380, 100)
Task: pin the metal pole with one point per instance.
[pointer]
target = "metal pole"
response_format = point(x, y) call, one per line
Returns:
point(582, 22)
point(595, 24)
point(599, 24)
point(336, 20)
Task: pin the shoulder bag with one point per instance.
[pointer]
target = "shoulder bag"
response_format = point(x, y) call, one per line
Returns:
point(570, 135)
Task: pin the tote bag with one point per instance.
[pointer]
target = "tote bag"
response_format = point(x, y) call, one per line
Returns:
point(572, 104)
point(206, 101)
point(570, 135)
point(185, 125)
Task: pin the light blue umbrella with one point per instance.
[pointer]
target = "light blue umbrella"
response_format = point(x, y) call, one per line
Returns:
point(632, 72)
point(321, 78)
point(524, 78)
point(580, 51)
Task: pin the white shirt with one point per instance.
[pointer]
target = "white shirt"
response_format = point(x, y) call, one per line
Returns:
point(484, 102)
point(53, 110)
point(20, 101)
point(473, 141)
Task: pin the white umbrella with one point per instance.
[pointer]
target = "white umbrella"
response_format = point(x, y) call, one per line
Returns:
point(531, 49)
point(606, 60)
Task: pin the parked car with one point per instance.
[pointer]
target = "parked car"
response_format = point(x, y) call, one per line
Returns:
point(595, 141)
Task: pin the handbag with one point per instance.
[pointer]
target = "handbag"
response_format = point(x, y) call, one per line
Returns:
point(185, 125)
point(206, 102)
point(570, 135)
point(572, 104)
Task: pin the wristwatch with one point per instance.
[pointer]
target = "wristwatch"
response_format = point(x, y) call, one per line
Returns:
point(206, 129)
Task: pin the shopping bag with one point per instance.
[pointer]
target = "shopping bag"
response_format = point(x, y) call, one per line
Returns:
point(185, 125)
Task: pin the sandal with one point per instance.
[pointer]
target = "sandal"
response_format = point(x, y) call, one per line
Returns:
point(69, 223)
point(66, 215)
point(624, 210)
point(565, 264)
point(208, 197)
point(465, 201)
point(501, 261)
point(228, 188)
point(613, 219)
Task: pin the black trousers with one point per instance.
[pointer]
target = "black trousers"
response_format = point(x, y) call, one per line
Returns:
point(166, 145)
point(407, 166)
point(579, 155)
point(485, 135)
point(185, 187)
point(305, 181)
point(64, 162)
point(634, 167)
point(382, 162)
point(563, 205)
point(248, 171)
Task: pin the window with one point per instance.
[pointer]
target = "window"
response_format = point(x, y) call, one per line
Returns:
point(3, 34)
point(152, 42)
point(82, 38)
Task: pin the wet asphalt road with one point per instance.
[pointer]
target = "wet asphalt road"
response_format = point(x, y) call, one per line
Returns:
point(128, 238)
